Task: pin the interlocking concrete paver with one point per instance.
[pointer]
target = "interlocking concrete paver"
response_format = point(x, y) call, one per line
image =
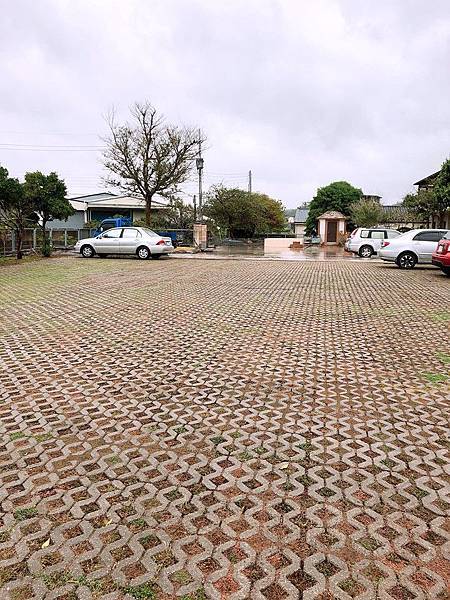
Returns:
point(208, 429)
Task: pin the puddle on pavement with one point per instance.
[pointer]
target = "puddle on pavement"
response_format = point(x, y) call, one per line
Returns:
point(257, 250)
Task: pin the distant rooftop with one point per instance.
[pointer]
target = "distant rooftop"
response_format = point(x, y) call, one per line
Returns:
point(301, 214)
point(332, 214)
point(110, 200)
point(428, 179)
point(91, 197)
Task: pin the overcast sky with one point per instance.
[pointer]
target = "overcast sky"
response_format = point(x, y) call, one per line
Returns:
point(302, 93)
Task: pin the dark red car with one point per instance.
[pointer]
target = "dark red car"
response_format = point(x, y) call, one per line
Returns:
point(441, 256)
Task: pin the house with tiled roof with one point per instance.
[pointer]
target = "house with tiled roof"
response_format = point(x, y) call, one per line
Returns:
point(427, 183)
point(301, 214)
point(103, 205)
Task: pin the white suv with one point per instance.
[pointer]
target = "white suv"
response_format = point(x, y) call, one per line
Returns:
point(365, 241)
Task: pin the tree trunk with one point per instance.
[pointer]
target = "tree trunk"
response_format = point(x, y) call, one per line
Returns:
point(148, 210)
point(19, 235)
point(46, 250)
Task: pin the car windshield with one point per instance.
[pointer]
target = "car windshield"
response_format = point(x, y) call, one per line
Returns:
point(149, 232)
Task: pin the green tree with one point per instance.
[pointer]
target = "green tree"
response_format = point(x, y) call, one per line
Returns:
point(435, 202)
point(179, 215)
point(241, 214)
point(47, 196)
point(271, 216)
point(338, 195)
point(421, 204)
point(16, 211)
point(366, 213)
point(441, 192)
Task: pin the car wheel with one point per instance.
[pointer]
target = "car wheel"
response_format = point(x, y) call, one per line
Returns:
point(446, 271)
point(87, 251)
point(406, 260)
point(365, 251)
point(156, 256)
point(143, 253)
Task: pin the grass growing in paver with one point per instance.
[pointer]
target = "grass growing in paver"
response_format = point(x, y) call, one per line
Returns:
point(43, 437)
point(418, 493)
point(370, 543)
point(180, 429)
point(351, 587)
point(441, 316)
point(200, 594)
point(21, 514)
point(113, 460)
point(6, 261)
point(435, 377)
point(218, 439)
point(181, 577)
point(145, 591)
point(139, 523)
point(246, 455)
point(222, 449)
point(443, 357)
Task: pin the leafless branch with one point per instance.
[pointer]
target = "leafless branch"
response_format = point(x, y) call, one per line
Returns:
point(148, 156)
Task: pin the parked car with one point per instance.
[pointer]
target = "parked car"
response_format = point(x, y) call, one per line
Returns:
point(415, 246)
point(441, 257)
point(367, 241)
point(142, 242)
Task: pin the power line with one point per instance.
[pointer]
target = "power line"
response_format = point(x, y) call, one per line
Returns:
point(46, 133)
point(52, 146)
point(238, 174)
point(50, 149)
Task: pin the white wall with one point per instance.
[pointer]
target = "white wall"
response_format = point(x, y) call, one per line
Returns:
point(277, 244)
point(322, 229)
point(299, 229)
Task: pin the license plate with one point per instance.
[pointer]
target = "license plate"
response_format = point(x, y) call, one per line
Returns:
point(440, 249)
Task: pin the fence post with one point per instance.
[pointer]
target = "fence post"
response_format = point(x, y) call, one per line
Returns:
point(34, 239)
point(65, 239)
point(13, 241)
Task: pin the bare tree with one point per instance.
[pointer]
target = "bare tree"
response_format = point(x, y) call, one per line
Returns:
point(148, 156)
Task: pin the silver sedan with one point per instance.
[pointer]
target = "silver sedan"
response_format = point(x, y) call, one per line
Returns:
point(139, 241)
point(415, 246)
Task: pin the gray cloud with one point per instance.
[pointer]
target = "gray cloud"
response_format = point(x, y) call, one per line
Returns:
point(302, 93)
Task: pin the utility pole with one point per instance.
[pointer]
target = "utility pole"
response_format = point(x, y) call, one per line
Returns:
point(195, 208)
point(250, 182)
point(199, 163)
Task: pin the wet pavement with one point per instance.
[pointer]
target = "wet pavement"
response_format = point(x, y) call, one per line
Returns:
point(252, 251)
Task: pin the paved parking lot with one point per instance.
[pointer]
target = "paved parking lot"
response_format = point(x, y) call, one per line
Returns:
point(223, 429)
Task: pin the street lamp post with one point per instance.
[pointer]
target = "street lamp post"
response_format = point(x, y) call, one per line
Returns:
point(199, 162)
